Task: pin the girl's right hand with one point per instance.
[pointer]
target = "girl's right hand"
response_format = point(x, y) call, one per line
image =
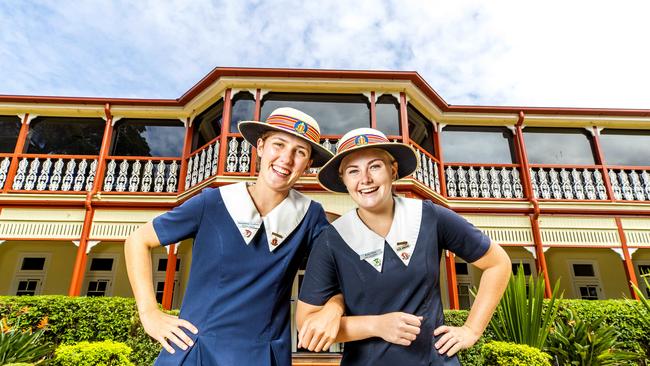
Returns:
point(398, 328)
point(165, 328)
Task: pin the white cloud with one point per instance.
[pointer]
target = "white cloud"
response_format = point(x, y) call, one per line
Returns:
point(584, 54)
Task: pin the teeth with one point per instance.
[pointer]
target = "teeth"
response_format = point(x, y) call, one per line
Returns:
point(368, 190)
point(281, 170)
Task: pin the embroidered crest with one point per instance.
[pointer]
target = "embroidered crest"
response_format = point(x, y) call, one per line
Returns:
point(274, 242)
point(247, 233)
point(361, 140)
point(405, 256)
point(376, 262)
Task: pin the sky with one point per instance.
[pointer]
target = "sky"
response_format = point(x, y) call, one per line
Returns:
point(550, 53)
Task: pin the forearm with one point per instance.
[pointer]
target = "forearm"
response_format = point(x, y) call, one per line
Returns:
point(356, 328)
point(138, 266)
point(492, 285)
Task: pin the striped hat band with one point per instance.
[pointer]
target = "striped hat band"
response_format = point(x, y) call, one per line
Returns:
point(294, 125)
point(361, 140)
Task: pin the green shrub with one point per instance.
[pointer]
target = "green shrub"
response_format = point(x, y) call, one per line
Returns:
point(575, 342)
point(511, 354)
point(522, 315)
point(471, 356)
point(105, 353)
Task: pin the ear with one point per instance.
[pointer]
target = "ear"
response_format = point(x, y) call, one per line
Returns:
point(393, 170)
point(260, 147)
point(311, 161)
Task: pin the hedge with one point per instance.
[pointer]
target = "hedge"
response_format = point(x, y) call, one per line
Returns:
point(504, 353)
point(77, 319)
point(105, 353)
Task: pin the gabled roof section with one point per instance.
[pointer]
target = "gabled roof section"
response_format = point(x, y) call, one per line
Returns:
point(410, 76)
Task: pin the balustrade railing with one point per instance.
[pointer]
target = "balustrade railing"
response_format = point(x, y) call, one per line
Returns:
point(630, 183)
point(238, 156)
point(427, 171)
point(328, 142)
point(483, 181)
point(58, 173)
point(202, 164)
point(141, 174)
point(5, 162)
point(568, 183)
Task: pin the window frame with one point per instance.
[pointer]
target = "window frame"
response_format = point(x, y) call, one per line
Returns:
point(101, 275)
point(579, 281)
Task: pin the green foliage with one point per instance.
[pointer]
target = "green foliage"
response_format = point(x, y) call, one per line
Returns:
point(522, 316)
point(22, 344)
point(642, 310)
point(504, 353)
point(575, 342)
point(105, 353)
point(76, 319)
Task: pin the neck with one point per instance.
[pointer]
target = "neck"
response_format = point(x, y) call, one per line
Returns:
point(379, 220)
point(264, 198)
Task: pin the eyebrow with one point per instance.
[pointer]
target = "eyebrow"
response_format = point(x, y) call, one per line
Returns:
point(356, 166)
point(287, 141)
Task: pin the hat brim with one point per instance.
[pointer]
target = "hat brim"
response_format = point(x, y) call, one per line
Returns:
point(406, 157)
point(253, 130)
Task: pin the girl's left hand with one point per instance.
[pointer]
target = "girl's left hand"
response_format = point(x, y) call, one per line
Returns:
point(319, 330)
point(454, 339)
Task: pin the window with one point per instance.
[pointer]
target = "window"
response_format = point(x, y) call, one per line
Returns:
point(464, 296)
point(243, 109)
point(461, 269)
point(387, 110)
point(643, 270)
point(29, 278)
point(336, 114)
point(97, 288)
point(148, 137)
point(160, 269)
point(65, 136)
point(9, 130)
point(586, 281)
point(100, 275)
point(28, 287)
point(162, 264)
point(516, 266)
point(626, 147)
point(478, 144)
point(463, 284)
point(558, 146)
point(420, 129)
point(101, 264)
point(207, 125)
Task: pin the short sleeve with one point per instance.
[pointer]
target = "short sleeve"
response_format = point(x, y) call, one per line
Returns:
point(319, 224)
point(458, 235)
point(321, 281)
point(182, 222)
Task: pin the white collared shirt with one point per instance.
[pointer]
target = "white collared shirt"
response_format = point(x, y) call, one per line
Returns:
point(278, 224)
point(402, 237)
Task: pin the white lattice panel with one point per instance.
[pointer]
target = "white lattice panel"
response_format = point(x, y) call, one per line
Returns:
point(551, 222)
point(578, 237)
point(509, 235)
point(27, 223)
point(504, 229)
point(118, 224)
point(117, 231)
point(637, 231)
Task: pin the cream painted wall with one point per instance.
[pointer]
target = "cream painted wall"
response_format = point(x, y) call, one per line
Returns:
point(121, 286)
point(59, 267)
point(609, 264)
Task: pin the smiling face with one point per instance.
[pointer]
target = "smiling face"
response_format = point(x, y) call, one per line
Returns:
point(368, 175)
point(284, 158)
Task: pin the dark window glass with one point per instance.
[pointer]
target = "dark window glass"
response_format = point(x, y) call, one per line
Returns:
point(464, 296)
point(243, 109)
point(461, 269)
point(420, 129)
point(101, 264)
point(9, 129)
point(588, 293)
point(148, 137)
point(162, 264)
point(644, 269)
point(207, 125)
point(583, 270)
point(626, 147)
point(478, 144)
point(65, 136)
point(33, 264)
point(387, 110)
point(27, 287)
point(160, 287)
point(558, 146)
point(336, 114)
point(515, 268)
point(97, 288)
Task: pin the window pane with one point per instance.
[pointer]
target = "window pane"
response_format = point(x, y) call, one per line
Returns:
point(101, 264)
point(475, 144)
point(461, 269)
point(207, 125)
point(625, 147)
point(32, 264)
point(65, 136)
point(586, 270)
point(644, 268)
point(336, 114)
point(558, 146)
point(515, 268)
point(162, 264)
point(387, 110)
point(148, 137)
point(9, 129)
point(243, 109)
point(420, 129)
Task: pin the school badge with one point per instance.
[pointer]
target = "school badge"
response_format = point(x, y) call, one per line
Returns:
point(361, 140)
point(300, 127)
